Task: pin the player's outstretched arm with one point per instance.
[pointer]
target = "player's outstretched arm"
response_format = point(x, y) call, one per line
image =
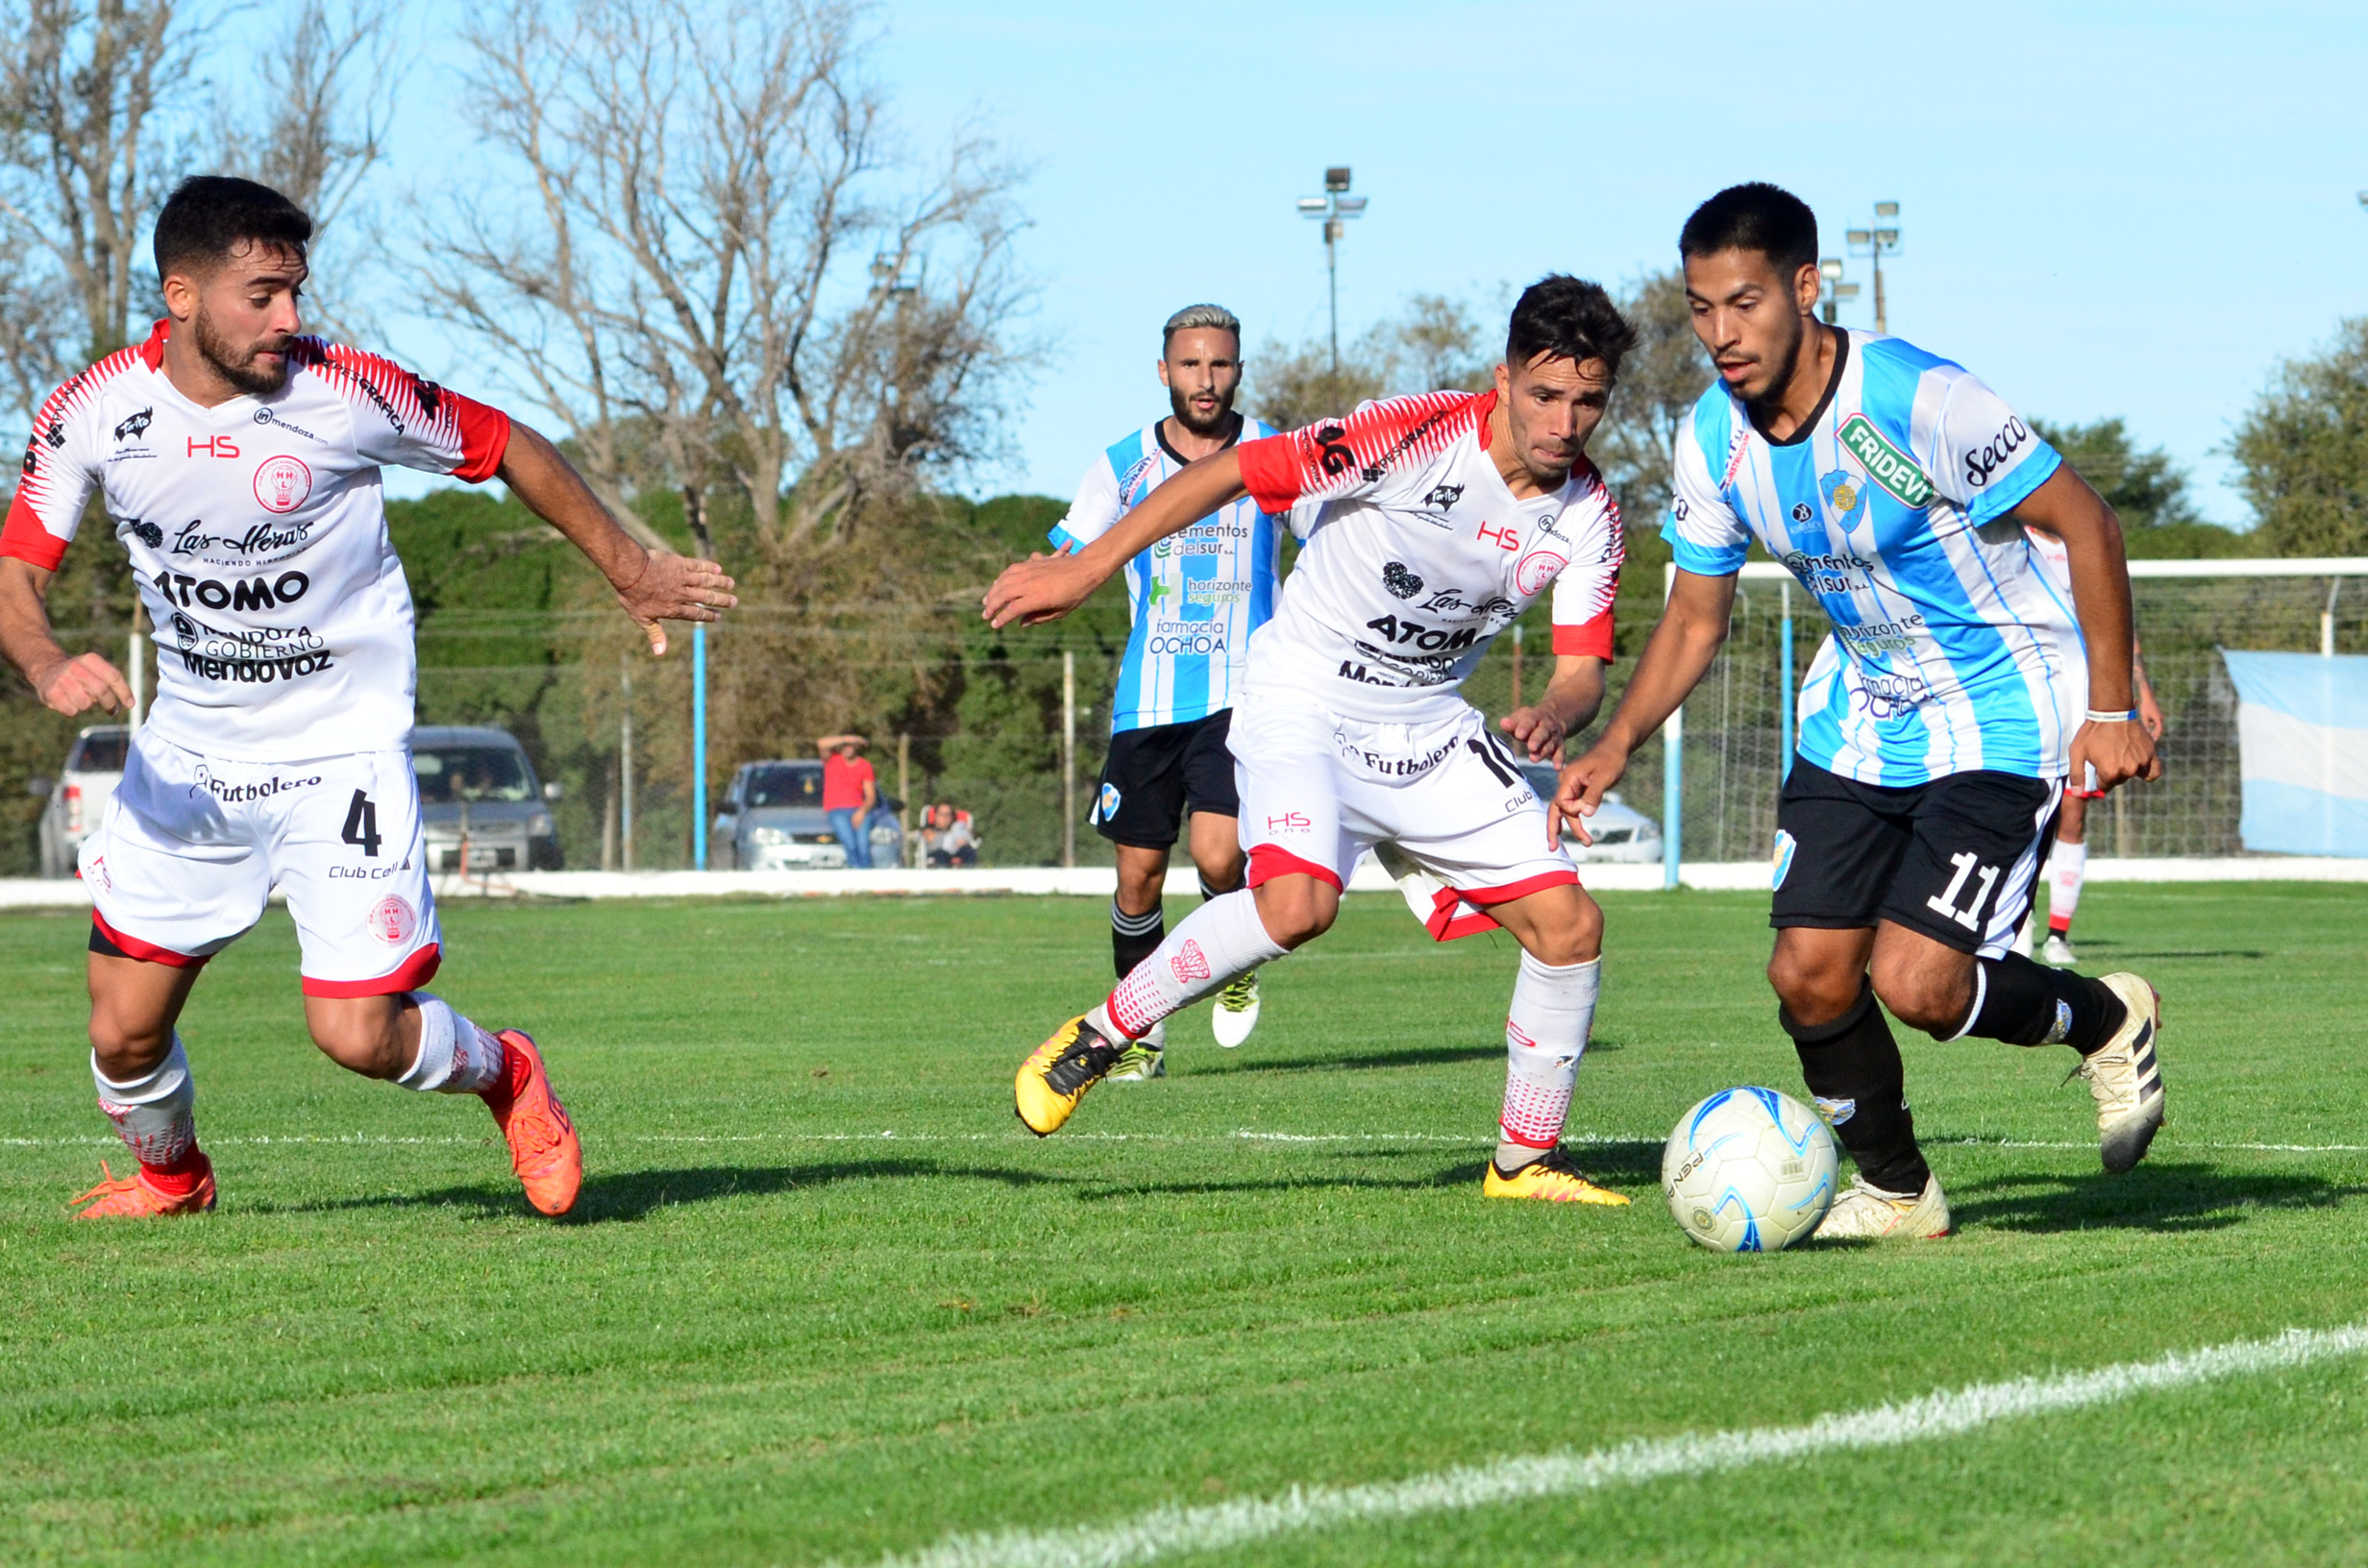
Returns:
point(65, 682)
point(653, 586)
point(1569, 704)
point(1675, 659)
point(2118, 748)
point(1047, 587)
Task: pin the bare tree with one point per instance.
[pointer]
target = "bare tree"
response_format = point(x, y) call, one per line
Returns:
point(1660, 382)
point(81, 167)
point(1433, 344)
point(710, 268)
point(330, 83)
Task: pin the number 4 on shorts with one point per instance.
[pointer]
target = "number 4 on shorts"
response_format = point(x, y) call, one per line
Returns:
point(1969, 916)
point(361, 827)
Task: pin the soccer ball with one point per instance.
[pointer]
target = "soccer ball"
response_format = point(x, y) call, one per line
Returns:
point(1748, 1170)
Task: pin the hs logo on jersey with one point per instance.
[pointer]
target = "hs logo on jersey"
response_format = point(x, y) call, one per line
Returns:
point(213, 446)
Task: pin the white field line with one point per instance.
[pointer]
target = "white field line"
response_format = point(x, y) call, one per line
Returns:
point(1242, 1136)
point(1175, 1531)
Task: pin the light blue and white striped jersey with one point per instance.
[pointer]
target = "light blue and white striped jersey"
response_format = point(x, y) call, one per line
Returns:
point(1952, 649)
point(1195, 596)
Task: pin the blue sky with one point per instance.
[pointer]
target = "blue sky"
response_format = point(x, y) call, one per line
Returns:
point(2108, 209)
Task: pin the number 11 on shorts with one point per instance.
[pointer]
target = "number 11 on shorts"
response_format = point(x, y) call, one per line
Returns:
point(1969, 916)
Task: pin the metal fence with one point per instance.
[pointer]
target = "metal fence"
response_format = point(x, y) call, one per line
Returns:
point(617, 731)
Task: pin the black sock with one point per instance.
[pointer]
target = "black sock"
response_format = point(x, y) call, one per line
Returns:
point(1208, 892)
point(1134, 938)
point(1852, 1066)
point(2023, 1003)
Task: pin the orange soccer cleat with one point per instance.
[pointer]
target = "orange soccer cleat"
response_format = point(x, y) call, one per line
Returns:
point(543, 1147)
point(132, 1198)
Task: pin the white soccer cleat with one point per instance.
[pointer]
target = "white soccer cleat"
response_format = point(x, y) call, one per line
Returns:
point(1236, 1012)
point(2126, 1078)
point(1869, 1214)
point(1145, 1060)
point(2058, 952)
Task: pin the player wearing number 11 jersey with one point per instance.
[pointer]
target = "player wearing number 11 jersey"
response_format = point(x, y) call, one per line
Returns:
point(1939, 721)
point(237, 464)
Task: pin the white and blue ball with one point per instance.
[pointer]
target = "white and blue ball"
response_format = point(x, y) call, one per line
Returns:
point(1749, 1170)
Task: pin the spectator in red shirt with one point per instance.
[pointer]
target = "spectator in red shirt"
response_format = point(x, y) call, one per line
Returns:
point(850, 792)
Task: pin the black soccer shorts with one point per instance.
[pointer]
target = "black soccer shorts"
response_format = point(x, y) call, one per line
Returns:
point(1152, 774)
point(1954, 859)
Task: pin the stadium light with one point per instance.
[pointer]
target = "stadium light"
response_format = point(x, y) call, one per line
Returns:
point(1333, 206)
point(1835, 290)
point(1872, 241)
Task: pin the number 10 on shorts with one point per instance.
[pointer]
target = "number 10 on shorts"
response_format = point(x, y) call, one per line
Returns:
point(1969, 916)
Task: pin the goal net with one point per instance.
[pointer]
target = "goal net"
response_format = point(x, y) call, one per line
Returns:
point(1731, 746)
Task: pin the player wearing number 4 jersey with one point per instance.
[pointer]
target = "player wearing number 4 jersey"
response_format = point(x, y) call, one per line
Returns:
point(237, 463)
point(1437, 520)
point(1937, 722)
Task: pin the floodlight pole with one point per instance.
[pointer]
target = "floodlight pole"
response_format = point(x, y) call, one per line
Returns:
point(1873, 242)
point(1334, 207)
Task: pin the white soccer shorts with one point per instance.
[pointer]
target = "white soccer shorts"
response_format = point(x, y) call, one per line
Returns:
point(1443, 805)
point(191, 848)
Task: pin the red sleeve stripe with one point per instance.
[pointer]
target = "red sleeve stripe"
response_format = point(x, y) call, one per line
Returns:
point(23, 537)
point(27, 535)
point(1592, 637)
point(1334, 455)
point(485, 437)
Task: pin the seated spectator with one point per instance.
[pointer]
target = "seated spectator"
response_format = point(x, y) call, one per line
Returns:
point(948, 838)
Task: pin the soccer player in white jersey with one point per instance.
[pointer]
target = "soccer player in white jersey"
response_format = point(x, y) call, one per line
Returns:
point(238, 464)
point(1937, 722)
point(1195, 599)
point(1442, 517)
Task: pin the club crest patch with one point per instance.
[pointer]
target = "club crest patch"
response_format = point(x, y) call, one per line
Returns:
point(1106, 808)
point(1783, 862)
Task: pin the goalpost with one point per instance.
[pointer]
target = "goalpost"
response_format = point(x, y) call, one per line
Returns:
point(1719, 782)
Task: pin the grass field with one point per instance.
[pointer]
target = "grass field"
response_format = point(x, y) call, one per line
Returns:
point(824, 1300)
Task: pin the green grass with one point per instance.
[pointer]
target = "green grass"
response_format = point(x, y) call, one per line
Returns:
point(823, 1299)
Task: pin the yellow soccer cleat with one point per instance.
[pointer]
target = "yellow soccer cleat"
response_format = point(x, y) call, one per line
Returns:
point(1052, 1082)
point(1552, 1178)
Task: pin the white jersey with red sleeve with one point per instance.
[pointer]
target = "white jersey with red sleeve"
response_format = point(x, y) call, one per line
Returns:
point(1420, 555)
point(257, 532)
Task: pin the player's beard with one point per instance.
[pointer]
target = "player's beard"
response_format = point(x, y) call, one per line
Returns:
point(1791, 361)
point(239, 370)
point(1220, 425)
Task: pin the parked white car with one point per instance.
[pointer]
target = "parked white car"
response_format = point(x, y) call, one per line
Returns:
point(93, 766)
point(1621, 831)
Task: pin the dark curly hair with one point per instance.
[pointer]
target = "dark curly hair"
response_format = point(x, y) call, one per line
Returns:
point(210, 216)
point(1568, 318)
point(1757, 216)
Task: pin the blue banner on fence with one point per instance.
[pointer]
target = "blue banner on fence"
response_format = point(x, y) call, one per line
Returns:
point(2301, 735)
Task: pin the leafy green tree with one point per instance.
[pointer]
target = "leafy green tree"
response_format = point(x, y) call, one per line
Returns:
point(1658, 383)
point(2145, 489)
point(2303, 451)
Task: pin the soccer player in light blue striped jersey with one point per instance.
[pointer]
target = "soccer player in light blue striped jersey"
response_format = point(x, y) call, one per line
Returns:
point(1196, 597)
point(1960, 688)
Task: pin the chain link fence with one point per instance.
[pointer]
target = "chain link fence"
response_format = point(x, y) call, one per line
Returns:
point(993, 745)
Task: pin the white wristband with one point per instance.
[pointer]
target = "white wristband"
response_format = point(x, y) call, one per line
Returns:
point(2096, 717)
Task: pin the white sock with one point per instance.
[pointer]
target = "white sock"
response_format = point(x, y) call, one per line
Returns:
point(155, 1115)
point(1221, 939)
point(1545, 1034)
point(456, 1057)
point(2065, 870)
